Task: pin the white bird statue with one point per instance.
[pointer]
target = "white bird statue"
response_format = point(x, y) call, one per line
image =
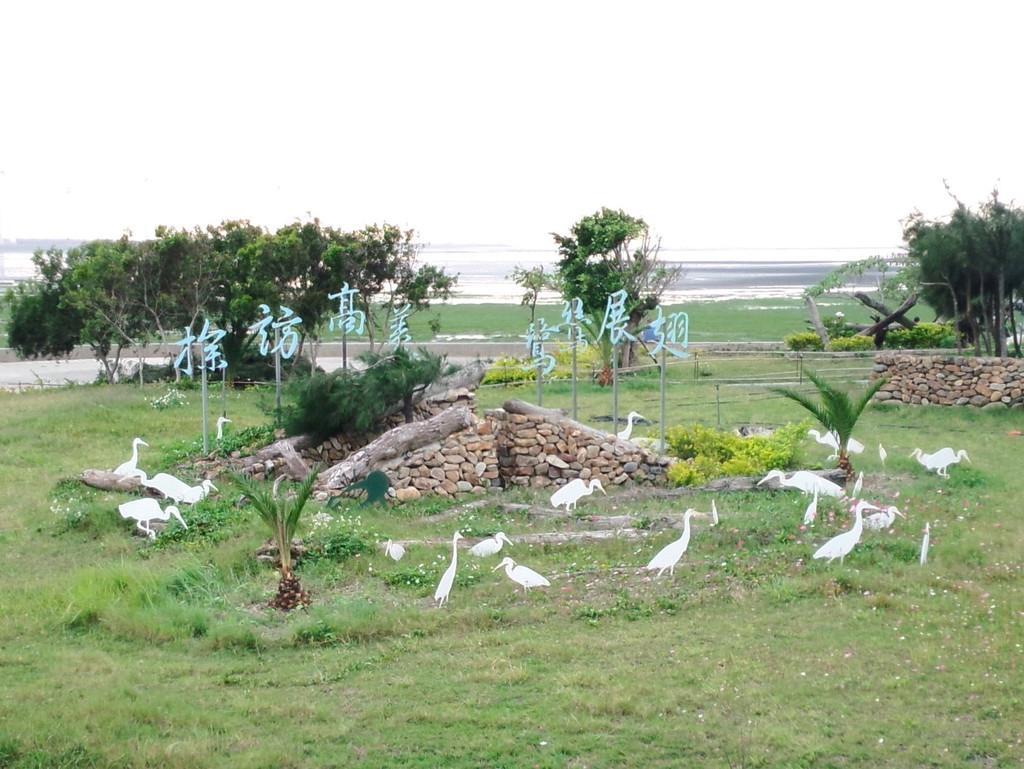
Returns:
point(146, 510)
point(882, 520)
point(669, 556)
point(924, 543)
point(940, 460)
point(176, 489)
point(840, 546)
point(712, 516)
point(831, 440)
point(571, 492)
point(221, 421)
point(806, 481)
point(624, 434)
point(857, 485)
point(393, 550)
point(812, 510)
point(523, 575)
point(129, 468)
point(882, 454)
point(444, 587)
point(489, 546)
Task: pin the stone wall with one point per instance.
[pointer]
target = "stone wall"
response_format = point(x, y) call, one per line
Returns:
point(502, 450)
point(939, 380)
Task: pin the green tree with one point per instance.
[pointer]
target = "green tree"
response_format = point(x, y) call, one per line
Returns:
point(41, 325)
point(971, 267)
point(608, 252)
point(383, 259)
point(836, 411)
point(281, 515)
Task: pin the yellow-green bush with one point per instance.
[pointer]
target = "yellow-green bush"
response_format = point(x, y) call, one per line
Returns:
point(509, 370)
point(851, 344)
point(921, 336)
point(805, 340)
point(706, 453)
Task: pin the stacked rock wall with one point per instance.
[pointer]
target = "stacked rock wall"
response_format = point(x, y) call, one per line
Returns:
point(501, 450)
point(950, 380)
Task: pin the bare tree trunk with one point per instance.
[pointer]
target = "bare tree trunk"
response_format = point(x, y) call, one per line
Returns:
point(868, 301)
point(819, 327)
point(891, 318)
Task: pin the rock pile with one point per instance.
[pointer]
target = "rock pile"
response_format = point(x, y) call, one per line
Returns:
point(950, 380)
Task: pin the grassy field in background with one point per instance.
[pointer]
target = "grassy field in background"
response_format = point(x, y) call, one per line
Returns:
point(116, 652)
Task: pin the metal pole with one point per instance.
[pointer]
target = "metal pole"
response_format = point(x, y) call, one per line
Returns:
point(615, 388)
point(540, 383)
point(206, 420)
point(277, 373)
point(718, 404)
point(664, 364)
point(574, 341)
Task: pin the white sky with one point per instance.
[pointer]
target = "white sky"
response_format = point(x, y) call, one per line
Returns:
point(723, 124)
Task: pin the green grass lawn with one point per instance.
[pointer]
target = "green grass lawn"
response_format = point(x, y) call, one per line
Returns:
point(119, 652)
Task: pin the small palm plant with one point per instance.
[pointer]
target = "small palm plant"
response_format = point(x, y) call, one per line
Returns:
point(836, 412)
point(281, 515)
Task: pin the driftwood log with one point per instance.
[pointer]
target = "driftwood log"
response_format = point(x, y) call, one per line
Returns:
point(895, 316)
point(109, 481)
point(889, 315)
point(819, 327)
point(395, 444)
point(287, 450)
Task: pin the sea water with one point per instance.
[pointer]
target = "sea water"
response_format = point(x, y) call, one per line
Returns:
point(485, 271)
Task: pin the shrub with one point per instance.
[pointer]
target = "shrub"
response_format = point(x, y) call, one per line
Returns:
point(509, 371)
point(921, 336)
point(707, 453)
point(805, 340)
point(851, 344)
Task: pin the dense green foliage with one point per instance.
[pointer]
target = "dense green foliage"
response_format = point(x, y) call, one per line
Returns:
point(924, 336)
point(706, 453)
point(112, 295)
point(803, 340)
point(851, 344)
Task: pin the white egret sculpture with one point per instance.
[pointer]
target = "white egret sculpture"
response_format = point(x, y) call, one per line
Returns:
point(176, 489)
point(571, 492)
point(489, 546)
point(940, 460)
point(147, 510)
point(669, 556)
point(524, 575)
point(221, 421)
point(393, 550)
point(806, 481)
point(130, 468)
point(924, 543)
point(812, 510)
point(831, 440)
point(882, 520)
point(444, 587)
point(857, 485)
point(712, 516)
point(882, 454)
point(840, 546)
point(624, 434)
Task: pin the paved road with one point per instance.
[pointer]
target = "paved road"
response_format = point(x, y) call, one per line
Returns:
point(22, 374)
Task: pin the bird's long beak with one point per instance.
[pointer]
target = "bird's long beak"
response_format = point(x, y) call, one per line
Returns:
point(180, 519)
point(498, 566)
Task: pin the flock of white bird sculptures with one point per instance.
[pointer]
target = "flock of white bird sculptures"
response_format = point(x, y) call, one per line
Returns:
point(143, 511)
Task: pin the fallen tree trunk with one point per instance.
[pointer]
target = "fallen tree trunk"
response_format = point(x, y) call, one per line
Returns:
point(286, 449)
point(108, 481)
point(819, 327)
point(393, 444)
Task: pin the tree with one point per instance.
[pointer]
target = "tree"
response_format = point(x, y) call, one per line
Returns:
point(41, 325)
point(836, 412)
point(281, 516)
point(971, 267)
point(102, 283)
point(608, 252)
point(386, 275)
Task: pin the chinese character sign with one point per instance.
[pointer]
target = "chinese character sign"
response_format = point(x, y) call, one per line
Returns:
point(209, 341)
point(572, 321)
point(537, 333)
point(348, 319)
point(615, 318)
point(288, 339)
point(671, 333)
point(398, 329)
